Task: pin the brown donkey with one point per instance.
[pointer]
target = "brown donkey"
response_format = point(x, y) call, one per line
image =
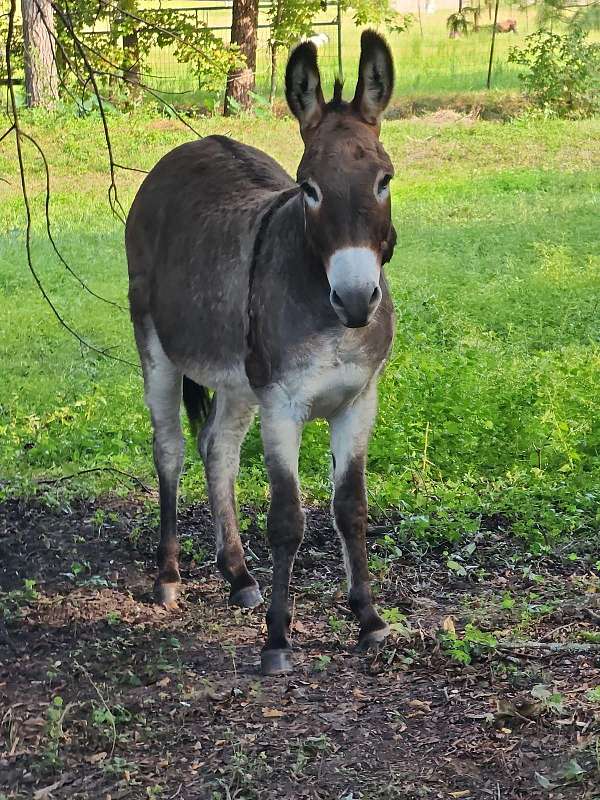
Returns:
point(271, 293)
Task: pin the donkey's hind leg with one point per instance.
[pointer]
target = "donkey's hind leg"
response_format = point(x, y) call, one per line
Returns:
point(219, 444)
point(162, 382)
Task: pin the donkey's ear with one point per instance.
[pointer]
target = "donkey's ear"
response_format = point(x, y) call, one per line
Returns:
point(303, 88)
point(375, 78)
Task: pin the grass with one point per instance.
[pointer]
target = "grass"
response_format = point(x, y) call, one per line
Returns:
point(491, 401)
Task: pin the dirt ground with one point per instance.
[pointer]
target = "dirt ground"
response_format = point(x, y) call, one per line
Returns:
point(103, 695)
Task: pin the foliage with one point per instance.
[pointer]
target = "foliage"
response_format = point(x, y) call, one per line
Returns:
point(585, 16)
point(17, 44)
point(290, 20)
point(125, 36)
point(473, 644)
point(14, 602)
point(562, 73)
point(379, 12)
point(458, 24)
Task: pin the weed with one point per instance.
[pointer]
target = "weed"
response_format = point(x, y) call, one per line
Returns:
point(309, 750)
point(551, 701)
point(593, 694)
point(337, 625)
point(321, 663)
point(475, 643)
point(199, 555)
point(53, 733)
point(13, 603)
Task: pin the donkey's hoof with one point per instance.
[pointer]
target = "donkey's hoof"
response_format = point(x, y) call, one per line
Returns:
point(276, 662)
point(372, 639)
point(165, 595)
point(248, 597)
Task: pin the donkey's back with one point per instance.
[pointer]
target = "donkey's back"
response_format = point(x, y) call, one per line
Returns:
point(190, 238)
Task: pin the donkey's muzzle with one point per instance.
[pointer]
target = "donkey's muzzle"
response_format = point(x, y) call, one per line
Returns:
point(353, 274)
point(356, 308)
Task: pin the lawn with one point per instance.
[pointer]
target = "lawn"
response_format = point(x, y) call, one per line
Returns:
point(490, 404)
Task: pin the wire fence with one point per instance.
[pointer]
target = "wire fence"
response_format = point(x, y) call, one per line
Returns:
point(171, 76)
point(427, 60)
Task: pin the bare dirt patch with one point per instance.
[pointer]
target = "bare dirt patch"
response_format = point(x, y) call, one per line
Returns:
point(105, 695)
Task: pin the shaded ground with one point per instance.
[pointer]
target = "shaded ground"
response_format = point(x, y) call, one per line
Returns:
point(105, 696)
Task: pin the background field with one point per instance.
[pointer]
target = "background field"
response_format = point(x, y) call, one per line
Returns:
point(426, 62)
point(490, 404)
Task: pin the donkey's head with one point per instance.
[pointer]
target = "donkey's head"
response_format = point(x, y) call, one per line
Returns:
point(345, 175)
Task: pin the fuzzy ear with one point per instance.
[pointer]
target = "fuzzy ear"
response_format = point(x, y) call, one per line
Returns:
point(303, 88)
point(375, 78)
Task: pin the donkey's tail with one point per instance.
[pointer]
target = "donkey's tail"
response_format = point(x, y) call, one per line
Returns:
point(197, 402)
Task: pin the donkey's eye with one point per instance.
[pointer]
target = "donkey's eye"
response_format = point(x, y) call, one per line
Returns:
point(383, 186)
point(312, 193)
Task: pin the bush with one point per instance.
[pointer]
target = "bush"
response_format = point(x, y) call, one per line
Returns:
point(563, 72)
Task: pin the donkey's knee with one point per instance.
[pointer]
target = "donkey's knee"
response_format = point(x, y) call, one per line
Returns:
point(168, 449)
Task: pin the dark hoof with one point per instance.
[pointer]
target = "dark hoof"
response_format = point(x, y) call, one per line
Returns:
point(276, 662)
point(372, 640)
point(248, 597)
point(165, 594)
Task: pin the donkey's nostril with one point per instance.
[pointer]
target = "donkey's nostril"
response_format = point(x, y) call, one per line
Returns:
point(375, 298)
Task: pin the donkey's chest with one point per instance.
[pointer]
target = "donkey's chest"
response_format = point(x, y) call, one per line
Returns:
point(322, 386)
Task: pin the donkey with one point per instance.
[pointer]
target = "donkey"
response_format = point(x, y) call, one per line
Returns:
point(270, 292)
point(507, 26)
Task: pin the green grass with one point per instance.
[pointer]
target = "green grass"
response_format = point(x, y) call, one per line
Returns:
point(491, 401)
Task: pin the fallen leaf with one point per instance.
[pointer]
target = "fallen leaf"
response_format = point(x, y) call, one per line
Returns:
point(96, 757)
point(420, 705)
point(462, 793)
point(271, 712)
point(448, 625)
point(543, 781)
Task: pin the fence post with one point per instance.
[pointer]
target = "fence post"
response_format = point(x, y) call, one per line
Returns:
point(339, 40)
point(489, 77)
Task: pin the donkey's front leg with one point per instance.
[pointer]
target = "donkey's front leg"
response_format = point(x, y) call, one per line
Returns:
point(285, 528)
point(350, 430)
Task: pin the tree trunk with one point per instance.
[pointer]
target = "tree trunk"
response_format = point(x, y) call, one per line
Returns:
point(244, 24)
point(131, 48)
point(41, 74)
point(131, 59)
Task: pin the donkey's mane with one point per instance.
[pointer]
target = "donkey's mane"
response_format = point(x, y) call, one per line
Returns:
point(336, 103)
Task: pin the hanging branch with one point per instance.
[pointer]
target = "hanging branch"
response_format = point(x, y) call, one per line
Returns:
point(160, 29)
point(119, 76)
point(49, 230)
point(16, 128)
point(85, 81)
point(113, 196)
